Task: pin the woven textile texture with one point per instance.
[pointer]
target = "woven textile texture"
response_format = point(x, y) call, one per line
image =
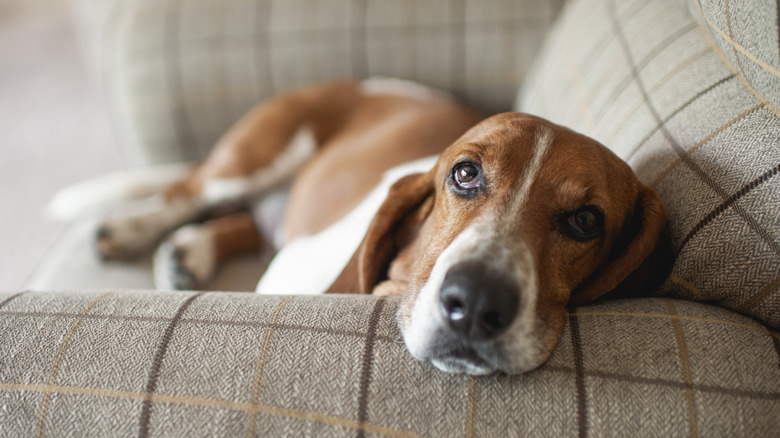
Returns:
point(652, 85)
point(141, 363)
point(179, 73)
point(746, 31)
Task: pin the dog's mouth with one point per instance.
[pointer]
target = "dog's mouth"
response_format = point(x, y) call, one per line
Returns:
point(464, 359)
point(459, 365)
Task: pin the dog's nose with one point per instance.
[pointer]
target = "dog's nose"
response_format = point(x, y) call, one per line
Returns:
point(477, 302)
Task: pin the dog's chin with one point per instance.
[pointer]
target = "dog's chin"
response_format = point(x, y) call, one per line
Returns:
point(461, 365)
point(454, 356)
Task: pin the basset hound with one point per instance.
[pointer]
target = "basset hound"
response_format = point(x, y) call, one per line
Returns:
point(486, 229)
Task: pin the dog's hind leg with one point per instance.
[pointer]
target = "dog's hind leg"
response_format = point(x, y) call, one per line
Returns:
point(188, 258)
point(265, 148)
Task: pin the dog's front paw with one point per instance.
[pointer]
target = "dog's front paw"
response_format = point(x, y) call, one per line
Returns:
point(120, 237)
point(137, 228)
point(186, 260)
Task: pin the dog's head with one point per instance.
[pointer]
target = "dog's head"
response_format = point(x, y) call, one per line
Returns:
point(517, 219)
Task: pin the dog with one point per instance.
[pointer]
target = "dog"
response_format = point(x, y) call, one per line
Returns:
point(486, 229)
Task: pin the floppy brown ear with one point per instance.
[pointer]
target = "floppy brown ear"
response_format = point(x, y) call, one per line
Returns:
point(374, 254)
point(641, 263)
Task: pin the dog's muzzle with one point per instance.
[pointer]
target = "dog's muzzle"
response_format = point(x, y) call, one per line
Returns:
point(476, 303)
point(477, 306)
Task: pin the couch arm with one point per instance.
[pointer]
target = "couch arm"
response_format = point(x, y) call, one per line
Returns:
point(225, 364)
point(179, 73)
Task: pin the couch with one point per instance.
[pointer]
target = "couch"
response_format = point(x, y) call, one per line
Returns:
point(687, 92)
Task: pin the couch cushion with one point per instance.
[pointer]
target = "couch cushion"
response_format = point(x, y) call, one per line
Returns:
point(746, 32)
point(644, 79)
point(220, 364)
point(179, 74)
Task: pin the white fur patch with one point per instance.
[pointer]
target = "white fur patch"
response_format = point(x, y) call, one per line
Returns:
point(299, 150)
point(323, 256)
point(544, 138)
point(186, 260)
point(379, 86)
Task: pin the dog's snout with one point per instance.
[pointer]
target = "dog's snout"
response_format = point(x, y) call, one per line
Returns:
point(476, 302)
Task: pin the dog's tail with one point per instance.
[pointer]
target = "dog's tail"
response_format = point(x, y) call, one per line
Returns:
point(74, 200)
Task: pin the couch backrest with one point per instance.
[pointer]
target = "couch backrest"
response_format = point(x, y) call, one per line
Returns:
point(746, 32)
point(645, 79)
point(178, 74)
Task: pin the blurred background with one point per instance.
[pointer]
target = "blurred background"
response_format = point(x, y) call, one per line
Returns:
point(54, 129)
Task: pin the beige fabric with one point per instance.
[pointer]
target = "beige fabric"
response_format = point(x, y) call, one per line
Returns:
point(178, 73)
point(747, 34)
point(652, 85)
point(155, 364)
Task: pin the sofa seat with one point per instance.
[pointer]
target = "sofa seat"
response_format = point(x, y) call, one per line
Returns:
point(151, 363)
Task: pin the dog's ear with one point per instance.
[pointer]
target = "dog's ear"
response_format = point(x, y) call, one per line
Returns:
point(404, 207)
point(640, 259)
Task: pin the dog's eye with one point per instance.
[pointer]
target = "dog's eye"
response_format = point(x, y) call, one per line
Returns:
point(466, 176)
point(584, 224)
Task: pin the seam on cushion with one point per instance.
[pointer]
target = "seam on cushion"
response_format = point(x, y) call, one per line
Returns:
point(685, 365)
point(154, 372)
point(760, 62)
point(759, 296)
point(57, 362)
point(698, 171)
point(704, 141)
point(367, 365)
point(257, 382)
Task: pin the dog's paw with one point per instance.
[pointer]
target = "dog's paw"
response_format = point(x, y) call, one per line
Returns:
point(186, 260)
point(137, 228)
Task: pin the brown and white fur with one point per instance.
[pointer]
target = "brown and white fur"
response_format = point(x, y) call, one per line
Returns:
point(487, 230)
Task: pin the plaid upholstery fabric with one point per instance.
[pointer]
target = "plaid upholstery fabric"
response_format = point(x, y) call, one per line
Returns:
point(138, 363)
point(179, 73)
point(652, 85)
point(747, 33)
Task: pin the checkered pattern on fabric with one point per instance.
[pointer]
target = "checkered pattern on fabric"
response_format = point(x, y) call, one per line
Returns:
point(644, 79)
point(135, 363)
point(179, 73)
point(748, 35)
